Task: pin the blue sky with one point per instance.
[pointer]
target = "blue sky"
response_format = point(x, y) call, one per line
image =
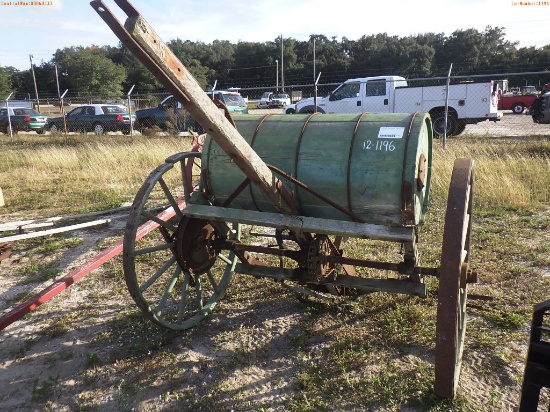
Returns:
point(41, 30)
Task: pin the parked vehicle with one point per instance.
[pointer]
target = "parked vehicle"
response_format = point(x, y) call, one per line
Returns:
point(280, 100)
point(97, 118)
point(516, 102)
point(540, 109)
point(170, 115)
point(516, 99)
point(232, 100)
point(469, 103)
point(524, 90)
point(22, 119)
point(265, 100)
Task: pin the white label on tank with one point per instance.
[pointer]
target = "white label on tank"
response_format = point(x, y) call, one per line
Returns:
point(391, 132)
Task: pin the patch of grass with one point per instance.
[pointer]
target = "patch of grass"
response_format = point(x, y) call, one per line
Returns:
point(48, 274)
point(53, 244)
point(44, 391)
point(60, 325)
point(20, 351)
point(32, 267)
point(65, 354)
point(508, 320)
point(126, 395)
point(22, 297)
point(375, 354)
point(38, 273)
point(94, 174)
point(92, 360)
point(407, 322)
point(86, 402)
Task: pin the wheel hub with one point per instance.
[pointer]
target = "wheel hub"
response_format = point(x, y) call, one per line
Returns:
point(193, 245)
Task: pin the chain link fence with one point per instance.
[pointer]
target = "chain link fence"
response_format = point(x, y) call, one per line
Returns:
point(505, 104)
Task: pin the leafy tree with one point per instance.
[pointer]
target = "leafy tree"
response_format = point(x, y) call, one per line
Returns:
point(193, 56)
point(472, 51)
point(331, 58)
point(253, 64)
point(137, 73)
point(88, 71)
point(221, 56)
point(5, 84)
point(109, 71)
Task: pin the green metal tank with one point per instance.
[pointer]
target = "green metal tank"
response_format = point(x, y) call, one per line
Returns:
point(376, 166)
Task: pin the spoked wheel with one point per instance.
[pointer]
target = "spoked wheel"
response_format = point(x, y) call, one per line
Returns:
point(453, 279)
point(174, 274)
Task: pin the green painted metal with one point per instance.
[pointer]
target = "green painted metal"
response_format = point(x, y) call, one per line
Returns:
point(368, 164)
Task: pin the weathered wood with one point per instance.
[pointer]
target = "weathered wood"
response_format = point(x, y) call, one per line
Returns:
point(302, 223)
point(53, 231)
point(201, 107)
point(355, 282)
point(49, 221)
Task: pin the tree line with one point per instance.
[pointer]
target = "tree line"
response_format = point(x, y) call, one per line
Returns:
point(110, 71)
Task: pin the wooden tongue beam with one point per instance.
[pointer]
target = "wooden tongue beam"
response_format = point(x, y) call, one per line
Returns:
point(140, 38)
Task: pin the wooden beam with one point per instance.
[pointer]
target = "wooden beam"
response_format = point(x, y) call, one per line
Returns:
point(27, 224)
point(53, 231)
point(302, 223)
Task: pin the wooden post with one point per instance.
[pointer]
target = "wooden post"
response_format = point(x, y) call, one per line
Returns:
point(1, 198)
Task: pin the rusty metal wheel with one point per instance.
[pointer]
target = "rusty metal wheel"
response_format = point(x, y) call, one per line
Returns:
point(173, 273)
point(454, 277)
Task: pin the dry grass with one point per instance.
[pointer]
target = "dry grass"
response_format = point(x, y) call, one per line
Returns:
point(58, 175)
point(509, 173)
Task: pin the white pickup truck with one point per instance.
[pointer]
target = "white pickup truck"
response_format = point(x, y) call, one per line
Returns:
point(468, 102)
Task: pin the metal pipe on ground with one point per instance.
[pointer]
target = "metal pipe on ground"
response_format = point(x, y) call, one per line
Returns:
point(78, 273)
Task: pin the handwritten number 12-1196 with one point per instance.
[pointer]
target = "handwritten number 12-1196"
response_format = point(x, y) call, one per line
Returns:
point(382, 145)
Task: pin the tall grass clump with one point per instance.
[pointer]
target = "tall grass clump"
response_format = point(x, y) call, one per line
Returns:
point(508, 174)
point(79, 173)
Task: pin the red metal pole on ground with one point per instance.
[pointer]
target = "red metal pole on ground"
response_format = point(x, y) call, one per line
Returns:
point(78, 273)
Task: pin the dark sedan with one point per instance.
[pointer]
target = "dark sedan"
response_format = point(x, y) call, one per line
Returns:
point(22, 119)
point(97, 118)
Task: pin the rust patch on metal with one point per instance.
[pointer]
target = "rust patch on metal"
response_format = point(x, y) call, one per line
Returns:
point(407, 210)
point(421, 178)
point(5, 251)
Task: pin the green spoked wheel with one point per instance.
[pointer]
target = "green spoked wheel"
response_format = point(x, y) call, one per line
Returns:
point(455, 274)
point(174, 273)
